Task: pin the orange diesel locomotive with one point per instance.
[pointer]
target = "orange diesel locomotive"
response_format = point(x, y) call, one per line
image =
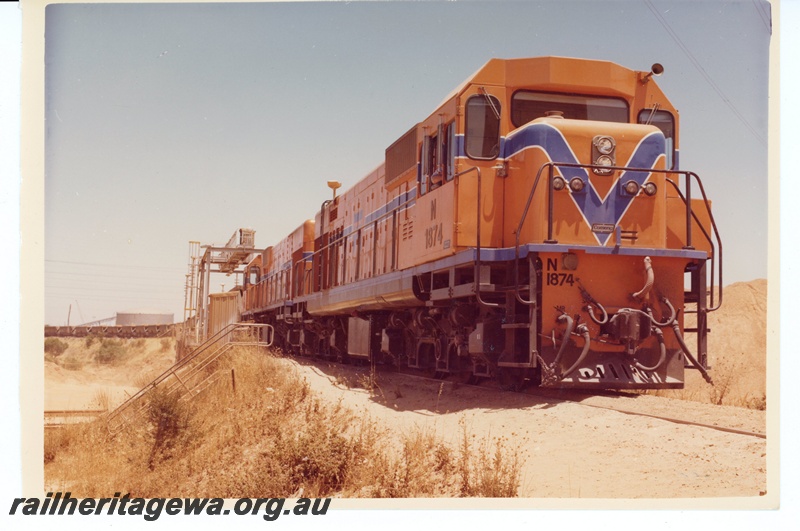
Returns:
point(534, 228)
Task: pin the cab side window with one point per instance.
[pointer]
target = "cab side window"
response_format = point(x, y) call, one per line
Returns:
point(437, 156)
point(450, 151)
point(482, 138)
point(666, 122)
point(424, 168)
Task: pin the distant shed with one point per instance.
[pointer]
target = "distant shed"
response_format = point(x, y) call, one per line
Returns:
point(144, 318)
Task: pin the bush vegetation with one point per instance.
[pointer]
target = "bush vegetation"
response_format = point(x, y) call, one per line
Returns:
point(271, 437)
point(729, 389)
point(111, 351)
point(91, 338)
point(54, 346)
point(166, 344)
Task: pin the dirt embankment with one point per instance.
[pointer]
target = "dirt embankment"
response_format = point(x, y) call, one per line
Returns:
point(97, 373)
point(737, 350)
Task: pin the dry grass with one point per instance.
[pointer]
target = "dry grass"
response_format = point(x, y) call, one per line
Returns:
point(730, 388)
point(737, 350)
point(271, 437)
point(102, 399)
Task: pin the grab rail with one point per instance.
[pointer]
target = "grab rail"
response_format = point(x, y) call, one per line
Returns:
point(690, 214)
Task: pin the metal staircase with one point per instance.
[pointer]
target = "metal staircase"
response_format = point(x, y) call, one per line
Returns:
point(193, 373)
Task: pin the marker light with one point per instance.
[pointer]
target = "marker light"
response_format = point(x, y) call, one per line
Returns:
point(576, 184)
point(569, 261)
point(559, 183)
point(650, 189)
point(632, 187)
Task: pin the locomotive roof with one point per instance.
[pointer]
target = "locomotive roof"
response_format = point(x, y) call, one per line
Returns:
point(545, 70)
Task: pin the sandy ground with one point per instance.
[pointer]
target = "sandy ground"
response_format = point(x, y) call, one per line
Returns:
point(73, 390)
point(87, 386)
point(569, 450)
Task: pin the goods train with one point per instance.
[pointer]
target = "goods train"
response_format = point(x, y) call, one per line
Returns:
point(534, 228)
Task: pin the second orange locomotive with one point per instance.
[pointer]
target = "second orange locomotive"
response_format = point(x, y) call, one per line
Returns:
point(534, 228)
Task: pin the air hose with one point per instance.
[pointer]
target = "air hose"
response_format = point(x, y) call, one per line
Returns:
point(662, 347)
point(668, 322)
point(648, 269)
point(677, 329)
point(564, 341)
point(584, 331)
point(590, 310)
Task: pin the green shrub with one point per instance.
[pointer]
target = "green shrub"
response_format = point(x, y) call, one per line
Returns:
point(54, 346)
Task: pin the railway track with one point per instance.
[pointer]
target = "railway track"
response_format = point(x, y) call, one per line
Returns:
point(627, 403)
point(585, 399)
point(60, 418)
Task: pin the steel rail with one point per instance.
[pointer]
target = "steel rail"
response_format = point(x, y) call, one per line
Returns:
point(548, 393)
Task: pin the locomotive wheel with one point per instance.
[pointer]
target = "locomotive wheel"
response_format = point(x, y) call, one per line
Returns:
point(510, 379)
point(466, 377)
point(342, 357)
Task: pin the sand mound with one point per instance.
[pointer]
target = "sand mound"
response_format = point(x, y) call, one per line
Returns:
point(99, 373)
point(737, 349)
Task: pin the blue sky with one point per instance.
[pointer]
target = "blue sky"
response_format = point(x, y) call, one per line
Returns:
point(168, 123)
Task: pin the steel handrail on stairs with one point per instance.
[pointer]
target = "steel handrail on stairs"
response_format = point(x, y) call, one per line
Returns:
point(182, 373)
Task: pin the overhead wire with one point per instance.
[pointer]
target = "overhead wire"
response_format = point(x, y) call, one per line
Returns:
point(703, 72)
point(156, 268)
point(69, 280)
point(765, 16)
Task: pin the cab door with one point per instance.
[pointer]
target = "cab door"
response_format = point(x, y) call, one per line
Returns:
point(479, 149)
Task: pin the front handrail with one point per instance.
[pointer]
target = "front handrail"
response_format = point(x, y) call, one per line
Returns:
point(708, 238)
point(519, 231)
point(690, 214)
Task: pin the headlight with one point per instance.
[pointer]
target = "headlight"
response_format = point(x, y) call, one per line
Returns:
point(603, 147)
point(650, 189)
point(604, 144)
point(559, 183)
point(576, 184)
point(603, 160)
point(632, 187)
